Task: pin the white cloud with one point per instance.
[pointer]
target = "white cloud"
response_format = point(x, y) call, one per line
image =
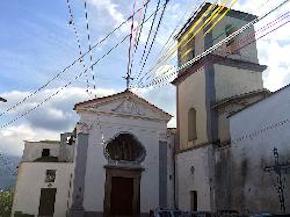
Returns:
point(12, 137)
point(47, 122)
point(271, 54)
point(57, 115)
point(110, 7)
point(272, 47)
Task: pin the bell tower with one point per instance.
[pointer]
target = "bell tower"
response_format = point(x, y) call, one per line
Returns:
point(208, 91)
point(224, 76)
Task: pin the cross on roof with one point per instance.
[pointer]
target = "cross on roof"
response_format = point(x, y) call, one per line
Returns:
point(128, 78)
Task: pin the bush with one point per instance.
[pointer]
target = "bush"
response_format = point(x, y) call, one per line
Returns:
point(6, 200)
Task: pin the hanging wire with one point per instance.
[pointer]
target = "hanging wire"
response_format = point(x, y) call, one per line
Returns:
point(150, 31)
point(70, 82)
point(159, 60)
point(77, 36)
point(154, 37)
point(90, 48)
point(224, 41)
point(138, 38)
point(128, 77)
point(56, 76)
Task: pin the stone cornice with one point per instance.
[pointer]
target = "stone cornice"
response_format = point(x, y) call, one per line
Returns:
point(217, 59)
point(91, 110)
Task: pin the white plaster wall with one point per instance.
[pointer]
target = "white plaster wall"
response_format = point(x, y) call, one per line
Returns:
point(191, 94)
point(255, 150)
point(33, 150)
point(199, 181)
point(69, 152)
point(226, 110)
point(30, 180)
point(147, 133)
point(231, 81)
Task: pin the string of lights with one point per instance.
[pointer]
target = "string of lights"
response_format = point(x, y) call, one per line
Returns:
point(138, 38)
point(160, 59)
point(56, 76)
point(217, 45)
point(154, 38)
point(77, 36)
point(130, 45)
point(250, 38)
point(238, 31)
point(89, 46)
point(70, 82)
point(216, 13)
point(206, 23)
point(236, 26)
point(170, 52)
point(141, 26)
point(150, 31)
point(221, 17)
point(260, 131)
point(192, 32)
point(63, 87)
point(159, 81)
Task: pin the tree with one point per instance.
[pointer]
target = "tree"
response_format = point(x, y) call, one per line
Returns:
point(6, 200)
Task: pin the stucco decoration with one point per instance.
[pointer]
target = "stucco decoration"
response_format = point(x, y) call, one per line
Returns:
point(83, 128)
point(128, 106)
point(124, 148)
point(162, 137)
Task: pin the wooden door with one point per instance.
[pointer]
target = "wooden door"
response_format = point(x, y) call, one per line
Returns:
point(122, 196)
point(47, 199)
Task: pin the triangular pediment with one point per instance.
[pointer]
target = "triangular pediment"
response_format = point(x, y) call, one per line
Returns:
point(123, 104)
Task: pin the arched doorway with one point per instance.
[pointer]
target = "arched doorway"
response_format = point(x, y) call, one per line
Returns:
point(123, 173)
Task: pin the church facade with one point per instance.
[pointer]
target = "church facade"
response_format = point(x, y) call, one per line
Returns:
point(117, 162)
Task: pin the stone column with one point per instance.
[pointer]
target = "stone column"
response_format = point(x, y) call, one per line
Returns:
point(77, 209)
point(163, 174)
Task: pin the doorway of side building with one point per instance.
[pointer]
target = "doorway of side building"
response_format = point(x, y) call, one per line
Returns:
point(47, 200)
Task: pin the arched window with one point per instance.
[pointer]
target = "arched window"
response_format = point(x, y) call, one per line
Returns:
point(125, 147)
point(192, 135)
point(229, 29)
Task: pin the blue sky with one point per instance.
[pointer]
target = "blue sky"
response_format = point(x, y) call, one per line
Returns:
point(37, 42)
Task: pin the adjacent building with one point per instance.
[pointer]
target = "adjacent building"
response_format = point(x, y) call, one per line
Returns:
point(44, 179)
point(259, 157)
point(212, 172)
